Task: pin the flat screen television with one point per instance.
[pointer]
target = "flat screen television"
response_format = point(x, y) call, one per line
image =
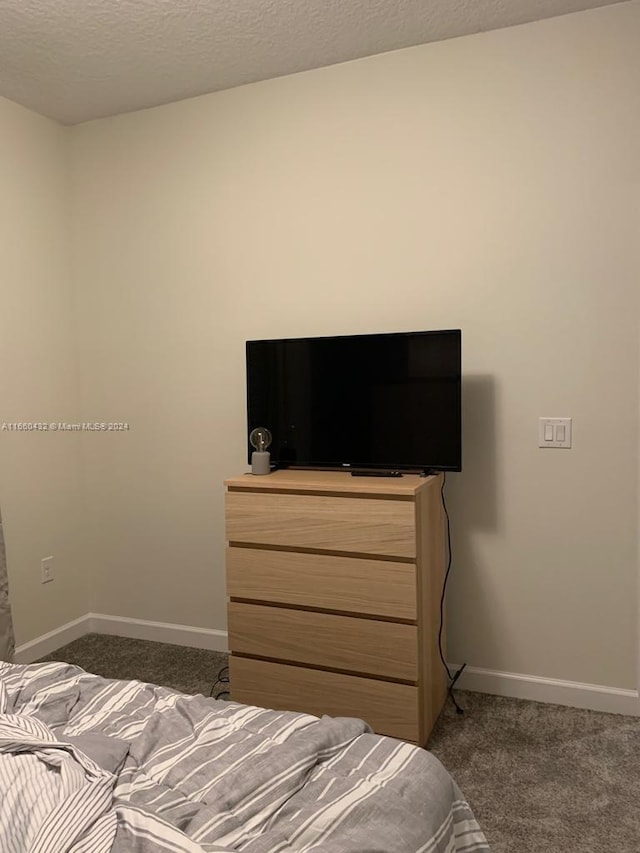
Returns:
point(378, 402)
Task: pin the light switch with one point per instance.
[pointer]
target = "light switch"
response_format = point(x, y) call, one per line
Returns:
point(554, 432)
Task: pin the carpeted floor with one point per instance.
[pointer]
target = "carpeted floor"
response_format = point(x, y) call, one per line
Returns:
point(181, 668)
point(540, 778)
point(545, 778)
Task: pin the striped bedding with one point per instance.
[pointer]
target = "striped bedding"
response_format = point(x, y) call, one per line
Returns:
point(90, 765)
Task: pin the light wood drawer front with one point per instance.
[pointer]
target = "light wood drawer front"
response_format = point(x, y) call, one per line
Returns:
point(390, 709)
point(365, 646)
point(377, 587)
point(358, 525)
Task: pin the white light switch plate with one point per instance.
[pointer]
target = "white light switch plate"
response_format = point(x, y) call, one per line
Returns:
point(554, 432)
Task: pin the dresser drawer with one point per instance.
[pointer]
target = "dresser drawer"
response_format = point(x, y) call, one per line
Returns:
point(324, 581)
point(390, 709)
point(365, 646)
point(322, 522)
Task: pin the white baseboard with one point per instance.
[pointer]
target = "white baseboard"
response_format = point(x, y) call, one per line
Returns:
point(211, 639)
point(119, 626)
point(49, 642)
point(575, 694)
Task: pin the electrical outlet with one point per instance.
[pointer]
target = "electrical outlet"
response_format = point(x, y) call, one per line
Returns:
point(46, 570)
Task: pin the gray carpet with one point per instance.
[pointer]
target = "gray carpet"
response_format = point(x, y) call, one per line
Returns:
point(544, 777)
point(179, 667)
point(540, 778)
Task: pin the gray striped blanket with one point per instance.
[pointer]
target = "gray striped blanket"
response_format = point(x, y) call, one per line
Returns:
point(90, 765)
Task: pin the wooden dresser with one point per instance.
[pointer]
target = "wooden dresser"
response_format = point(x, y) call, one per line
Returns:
point(334, 586)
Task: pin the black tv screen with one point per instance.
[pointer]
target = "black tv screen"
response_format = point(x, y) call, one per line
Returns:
point(383, 401)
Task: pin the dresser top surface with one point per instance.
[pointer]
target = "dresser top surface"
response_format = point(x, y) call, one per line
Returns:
point(332, 481)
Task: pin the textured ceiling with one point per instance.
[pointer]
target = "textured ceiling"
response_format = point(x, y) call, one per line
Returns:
point(75, 60)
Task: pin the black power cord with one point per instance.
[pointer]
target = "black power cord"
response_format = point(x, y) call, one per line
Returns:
point(220, 687)
point(453, 677)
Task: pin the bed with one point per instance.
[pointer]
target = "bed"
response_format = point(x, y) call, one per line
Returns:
point(91, 765)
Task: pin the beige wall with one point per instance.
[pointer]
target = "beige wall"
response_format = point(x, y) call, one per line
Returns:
point(39, 471)
point(490, 183)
